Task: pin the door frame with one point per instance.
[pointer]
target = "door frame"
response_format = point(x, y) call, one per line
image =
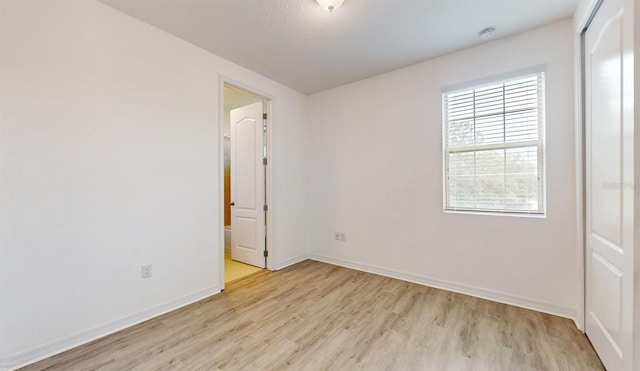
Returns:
point(268, 104)
point(581, 23)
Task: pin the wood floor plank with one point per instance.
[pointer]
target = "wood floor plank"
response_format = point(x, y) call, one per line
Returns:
point(316, 316)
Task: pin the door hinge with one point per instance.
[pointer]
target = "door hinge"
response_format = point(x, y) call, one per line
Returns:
point(264, 116)
point(265, 208)
point(264, 161)
point(265, 253)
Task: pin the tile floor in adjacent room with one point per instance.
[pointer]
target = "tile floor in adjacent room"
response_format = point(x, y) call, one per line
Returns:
point(234, 270)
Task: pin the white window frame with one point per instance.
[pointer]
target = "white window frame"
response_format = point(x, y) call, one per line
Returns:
point(539, 143)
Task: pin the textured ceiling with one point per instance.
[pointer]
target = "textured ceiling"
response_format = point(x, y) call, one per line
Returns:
point(300, 45)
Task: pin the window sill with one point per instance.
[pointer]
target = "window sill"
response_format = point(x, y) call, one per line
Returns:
point(497, 213)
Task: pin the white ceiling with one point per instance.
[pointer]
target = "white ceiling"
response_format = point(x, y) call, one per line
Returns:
point(300, 45)
point(236, 98)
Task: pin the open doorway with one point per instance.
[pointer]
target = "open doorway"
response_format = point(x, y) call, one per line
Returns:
point(246, 194)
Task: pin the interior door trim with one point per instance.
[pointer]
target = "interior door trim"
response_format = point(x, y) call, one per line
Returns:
point(269, 103)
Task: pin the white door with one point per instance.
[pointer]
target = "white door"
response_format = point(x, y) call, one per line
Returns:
point(247, 185)
point(609, 183)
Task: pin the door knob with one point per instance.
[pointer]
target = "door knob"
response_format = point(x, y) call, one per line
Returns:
point(232, 203)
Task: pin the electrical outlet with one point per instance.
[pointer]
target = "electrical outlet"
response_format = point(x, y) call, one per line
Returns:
point(343, 237)
point(337, 236)
point(146, 270)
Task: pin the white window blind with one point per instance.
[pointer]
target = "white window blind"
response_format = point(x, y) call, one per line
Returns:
point(493, 144)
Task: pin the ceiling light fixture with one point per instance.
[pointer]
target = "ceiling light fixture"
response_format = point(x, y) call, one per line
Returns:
point(330, 5)
point(487, 33)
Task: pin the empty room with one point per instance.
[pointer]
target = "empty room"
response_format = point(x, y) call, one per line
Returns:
point(319, 185)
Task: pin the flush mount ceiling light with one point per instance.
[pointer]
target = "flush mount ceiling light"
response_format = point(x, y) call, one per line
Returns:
point(487, 33)
point(330, 5)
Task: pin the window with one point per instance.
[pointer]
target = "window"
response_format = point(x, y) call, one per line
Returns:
point(493, 146)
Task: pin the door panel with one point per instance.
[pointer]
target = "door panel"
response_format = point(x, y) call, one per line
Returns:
point(606, 307)
point(609, 184)
point(606, 141)
point(247, 185)
point(246, 235)
point(245, 157)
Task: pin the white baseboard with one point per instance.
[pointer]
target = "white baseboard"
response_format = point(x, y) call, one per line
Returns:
point(52, 348)
point(488, 294)
point(291, 261)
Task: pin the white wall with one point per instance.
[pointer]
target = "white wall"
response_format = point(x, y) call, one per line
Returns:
point(376, 174)
point(109, 158)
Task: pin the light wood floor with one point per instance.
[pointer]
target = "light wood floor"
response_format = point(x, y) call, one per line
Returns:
point(315, 316)
point(234, 270)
